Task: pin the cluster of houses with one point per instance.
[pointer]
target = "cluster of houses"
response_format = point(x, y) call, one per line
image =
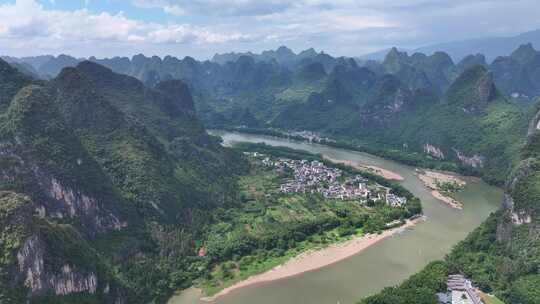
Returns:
point(395, 201)
point(309, 136)
point(316, 177)
point(460, 291)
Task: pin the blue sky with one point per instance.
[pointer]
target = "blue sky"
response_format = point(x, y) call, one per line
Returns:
point(149, 14)
point(200, 28)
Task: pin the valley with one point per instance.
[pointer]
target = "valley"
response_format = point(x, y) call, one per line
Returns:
point(376, 266)
point(299, 213)
point(285, 175)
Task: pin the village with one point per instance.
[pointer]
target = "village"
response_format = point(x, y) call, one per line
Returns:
point(460, 290)
point(332, 183)
point(309, 136)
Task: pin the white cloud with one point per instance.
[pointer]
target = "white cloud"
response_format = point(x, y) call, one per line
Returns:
point(174, 10)
point(219, 7)
point(27, 20)
point(202, 27)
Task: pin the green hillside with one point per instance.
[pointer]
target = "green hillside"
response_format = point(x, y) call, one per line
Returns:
point(106, 184)
point(501, 256)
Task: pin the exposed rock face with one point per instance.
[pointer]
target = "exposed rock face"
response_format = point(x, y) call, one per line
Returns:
point(511, 218)
point(520, 218)
point(30, 258)
point(517, 210)
point(63, 201)
point(534, 125)
point(399, 100)
point(475, 161)
point(433, 151)
point(67, 281)
point(34, 257)
point(78, 205)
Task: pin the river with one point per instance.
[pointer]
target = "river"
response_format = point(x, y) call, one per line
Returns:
point(386, 263)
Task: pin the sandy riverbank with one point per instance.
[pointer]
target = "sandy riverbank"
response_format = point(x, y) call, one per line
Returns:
point(372, 169)
point(433, 180)
point(313, 260)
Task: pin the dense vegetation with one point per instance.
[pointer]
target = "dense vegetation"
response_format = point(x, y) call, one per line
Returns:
point(270, 227)
point(507, 269)
point(120, 182)
point(119, 185)
point(490, 128)
point(394, 107)
point(502, 256)
point(116, 175)
point(419, 288)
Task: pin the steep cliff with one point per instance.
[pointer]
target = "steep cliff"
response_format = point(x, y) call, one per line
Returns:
point(519, 73)
point(102, 180)
point(48, 162)
point(473, 125)
point(502, 256)
point(45, 260)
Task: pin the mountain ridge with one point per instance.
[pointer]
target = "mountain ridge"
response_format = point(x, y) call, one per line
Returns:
point(491, 47)
point(87, 183)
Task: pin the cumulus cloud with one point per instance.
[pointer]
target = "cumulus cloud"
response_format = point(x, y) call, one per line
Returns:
point(27, 20)
point(267, 7)
point(219, 7)
point(349, 27)
point(370, 24)
point(202, 27)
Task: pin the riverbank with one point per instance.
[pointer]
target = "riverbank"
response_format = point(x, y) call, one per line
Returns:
point(441, 184)
point(315, 259)
point(387, 263)
point(402, 157)
point(371, 169)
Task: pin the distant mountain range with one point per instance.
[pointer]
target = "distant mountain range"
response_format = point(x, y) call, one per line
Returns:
point(307, 91)
point(109, 177)
point(491, 48)
point(399, 101)
point(516, 74)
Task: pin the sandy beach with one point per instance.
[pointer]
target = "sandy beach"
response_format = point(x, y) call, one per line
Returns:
point(372, 169)
point(313, 260)
point(432, 179)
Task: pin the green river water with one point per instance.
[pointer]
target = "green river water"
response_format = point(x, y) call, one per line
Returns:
point(386, 263)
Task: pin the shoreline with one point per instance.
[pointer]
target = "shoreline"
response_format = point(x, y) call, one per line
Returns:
point(390, 175)
point(432, 178)
point(315, 259)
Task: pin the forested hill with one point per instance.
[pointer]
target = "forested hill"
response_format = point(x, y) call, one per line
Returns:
point(108, 163)
point(502, 256)
point(102, 180)
point(515, 73)
point(420, 108)
point(113, 192)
